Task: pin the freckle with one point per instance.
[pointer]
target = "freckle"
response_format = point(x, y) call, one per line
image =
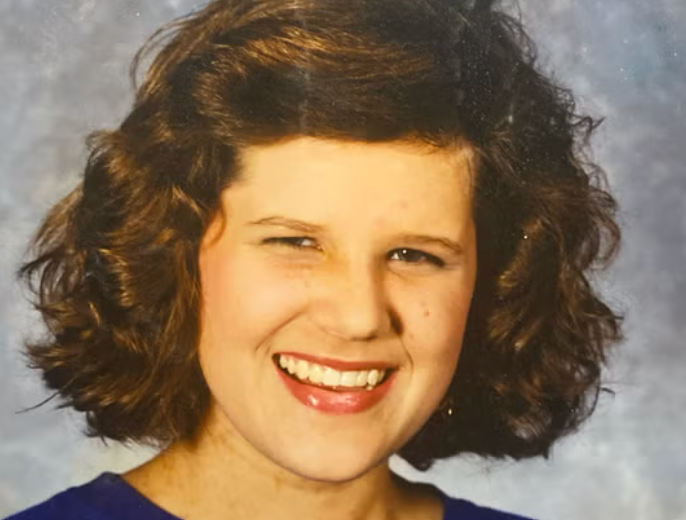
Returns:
point(426, 314)
point(379, 222)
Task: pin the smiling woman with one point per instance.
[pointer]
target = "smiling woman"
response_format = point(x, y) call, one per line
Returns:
point(331, 302)
point(327, 232)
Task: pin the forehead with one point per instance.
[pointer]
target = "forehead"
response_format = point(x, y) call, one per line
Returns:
point(387, 168)
point(355, 191)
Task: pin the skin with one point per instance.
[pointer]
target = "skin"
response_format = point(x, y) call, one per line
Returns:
point(351, 291)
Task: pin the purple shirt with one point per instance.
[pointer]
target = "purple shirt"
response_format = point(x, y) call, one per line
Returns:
point(109, 497)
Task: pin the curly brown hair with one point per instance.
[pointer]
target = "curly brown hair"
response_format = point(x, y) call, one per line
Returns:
point(115, 270)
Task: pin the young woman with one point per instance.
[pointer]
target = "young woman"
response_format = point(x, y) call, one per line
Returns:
point(329, 231)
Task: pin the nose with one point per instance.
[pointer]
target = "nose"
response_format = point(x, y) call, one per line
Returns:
point(350, 302)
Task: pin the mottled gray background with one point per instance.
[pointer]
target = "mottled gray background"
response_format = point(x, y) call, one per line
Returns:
point(64, 65)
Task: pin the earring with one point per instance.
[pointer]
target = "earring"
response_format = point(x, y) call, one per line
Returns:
point(447, 407)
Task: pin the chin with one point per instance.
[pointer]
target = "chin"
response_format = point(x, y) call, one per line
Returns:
point(334, 466)
point(333, 474)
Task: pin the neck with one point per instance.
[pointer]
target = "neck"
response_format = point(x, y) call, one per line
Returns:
point(219, 476)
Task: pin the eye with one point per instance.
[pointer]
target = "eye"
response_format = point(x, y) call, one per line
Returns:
point(294, 242)
point(412, 256)
point(423, 257)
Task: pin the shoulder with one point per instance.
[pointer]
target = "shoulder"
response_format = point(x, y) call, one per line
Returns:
point(458, 509)
point(66, 504)
point(94, 500)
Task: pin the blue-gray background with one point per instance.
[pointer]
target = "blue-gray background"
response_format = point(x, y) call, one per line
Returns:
point(63, 68)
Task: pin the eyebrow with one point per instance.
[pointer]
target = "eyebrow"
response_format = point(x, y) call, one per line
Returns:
point(308, 227)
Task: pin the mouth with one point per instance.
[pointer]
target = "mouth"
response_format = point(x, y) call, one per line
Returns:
point(333, 379)
point(351, 388)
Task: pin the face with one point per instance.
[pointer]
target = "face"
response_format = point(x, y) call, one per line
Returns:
point(351, 265)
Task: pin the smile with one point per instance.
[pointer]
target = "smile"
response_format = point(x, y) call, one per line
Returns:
point(331, 390)
point(326, 376)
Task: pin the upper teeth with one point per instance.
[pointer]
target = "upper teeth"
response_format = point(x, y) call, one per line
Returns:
point(306, 371)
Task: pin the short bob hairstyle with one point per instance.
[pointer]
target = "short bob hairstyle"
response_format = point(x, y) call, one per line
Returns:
point(115, 265)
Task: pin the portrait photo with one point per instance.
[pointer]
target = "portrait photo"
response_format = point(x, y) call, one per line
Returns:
point(343, 259)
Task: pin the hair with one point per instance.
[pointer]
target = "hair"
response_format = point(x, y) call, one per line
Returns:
point(115, 264)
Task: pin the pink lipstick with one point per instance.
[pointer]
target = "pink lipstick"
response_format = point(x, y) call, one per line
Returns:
point(341, 400)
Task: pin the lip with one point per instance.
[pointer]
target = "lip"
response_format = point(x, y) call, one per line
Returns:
point(339, 364)
point(336, 402)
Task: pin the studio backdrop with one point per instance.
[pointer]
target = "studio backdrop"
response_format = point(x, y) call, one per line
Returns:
point(64, 67)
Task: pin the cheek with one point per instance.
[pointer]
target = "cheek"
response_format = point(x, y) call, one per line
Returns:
point(439, 323)
point(434, 341)
point(241, 299)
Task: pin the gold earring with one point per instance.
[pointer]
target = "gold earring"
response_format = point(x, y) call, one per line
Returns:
point(447, 407)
